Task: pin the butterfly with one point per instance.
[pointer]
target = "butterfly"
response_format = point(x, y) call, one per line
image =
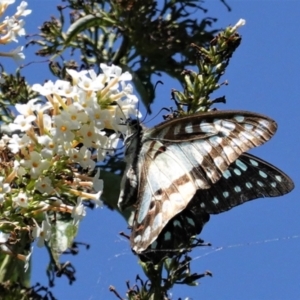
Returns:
point(184, 169)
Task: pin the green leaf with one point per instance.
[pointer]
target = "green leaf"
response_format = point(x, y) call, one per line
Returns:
point(63, 234)
point(111, 192)
point(85, 23)
point(79, 26)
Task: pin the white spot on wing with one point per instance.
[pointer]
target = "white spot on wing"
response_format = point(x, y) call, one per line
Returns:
point(191, 221)
point(167, 236)
point(241, 165)
point(236, 143)
point(177, 223)
point(225, 132)
point(239, 118)
point(225, 194)
point(153, 245)
point(146, 234)
point(210, 173)
point(177, 129)
point(175, 197)
point(188, 128)
point(248, 127)
point(205, 146)
point(264, 123)
point(249, 185)
point(278, 178)
point(215, 141)
point(254, 162)
point(228, 125)
point(259, 132)
point(237, 171)
point(262, 174)
point(206, 127)
point(215, 200)
point(226, 174)
point(137, 239)
point(157, 221)
point(246, 136)
point(166, 206)
point(219, 161)
point(217, 124)
point(237, 189)
point(143, 209)
point(200, 183)
point(187, 188)
point(228, 151)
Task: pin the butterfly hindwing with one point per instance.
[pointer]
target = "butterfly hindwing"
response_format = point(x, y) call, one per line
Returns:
point(247, 178)
point(181, 156)
point(256, 179)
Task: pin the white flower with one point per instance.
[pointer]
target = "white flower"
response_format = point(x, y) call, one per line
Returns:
point(97, 182)
point(64, 88)
point(240, 23)
point(28, 108)
point(83, 157)
point(42, 233)
point(47, 122)
point(115, 71)
point(17, 54)
point(97, 197)
point(5, 3)
point(77, 114)
point(22, 123)
point(21, 10)
point(48, 144)
point(18, 169)
point(78, 211)
point(35, 163)
point(76, 75)
point(21, 199)
point(3, 237)
point(44, 185)
point(112, 143)
point(15, 27)
point(45, 89)
point(4, 189)
point(27, 260)
point(64, 127)
point(89, 135)
point(101, 146)
point(16, 143)
point(95, 113)
point(87, 80)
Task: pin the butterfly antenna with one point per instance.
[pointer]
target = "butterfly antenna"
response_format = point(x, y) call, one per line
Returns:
point(125, 118)
point(162, 109)
point(148, 106)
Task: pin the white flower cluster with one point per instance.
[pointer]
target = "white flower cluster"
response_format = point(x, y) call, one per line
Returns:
point(12, 27)
point(63, 138)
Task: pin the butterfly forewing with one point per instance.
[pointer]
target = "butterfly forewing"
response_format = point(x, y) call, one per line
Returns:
point(243, 124)
point(211, 141)
point(181, 156)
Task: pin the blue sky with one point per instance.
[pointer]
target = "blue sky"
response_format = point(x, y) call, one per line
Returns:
point(260, 240)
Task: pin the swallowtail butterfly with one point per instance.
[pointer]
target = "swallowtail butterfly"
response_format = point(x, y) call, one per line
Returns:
point(184, 169)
